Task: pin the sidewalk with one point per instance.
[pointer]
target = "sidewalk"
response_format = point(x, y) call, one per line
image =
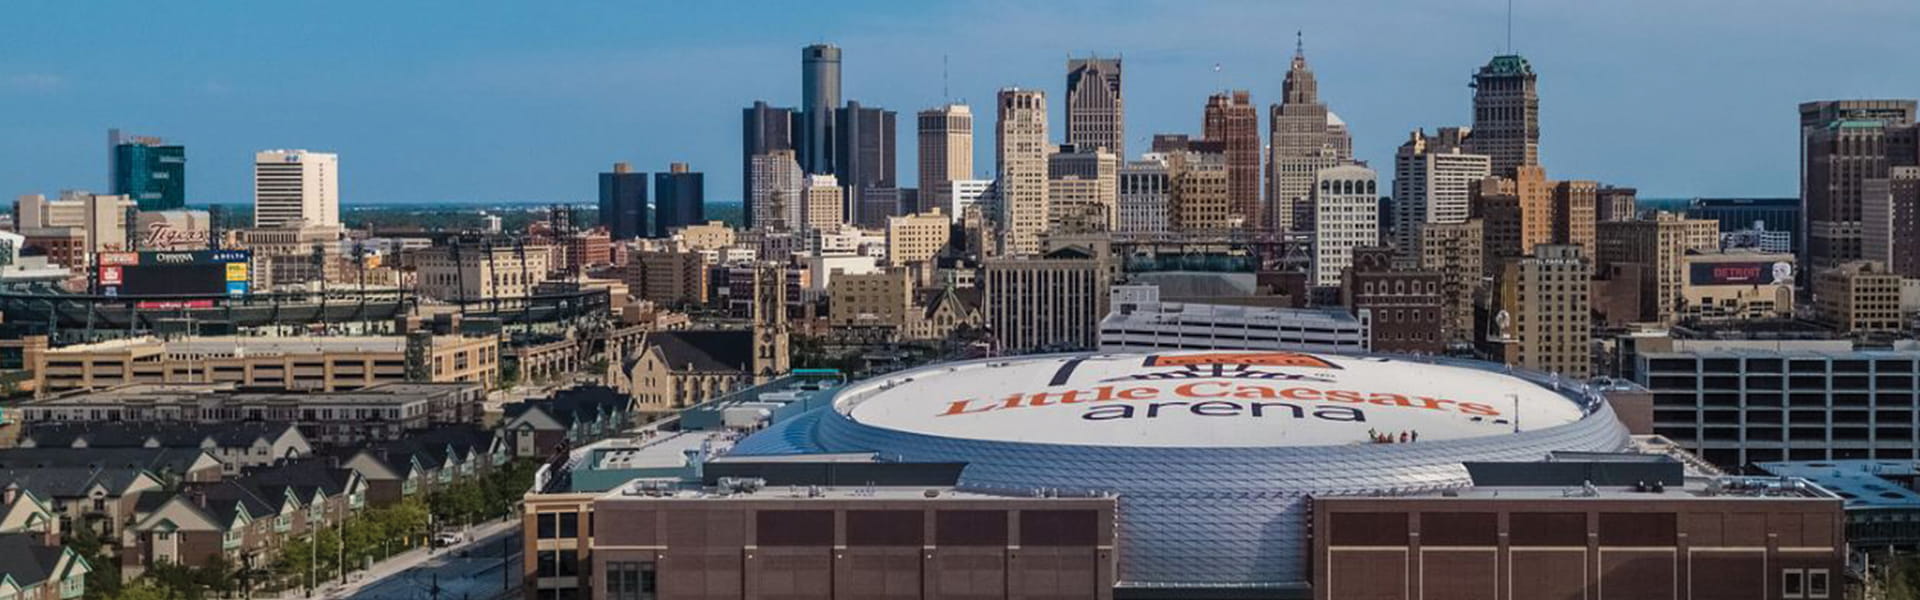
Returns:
point(405, 561)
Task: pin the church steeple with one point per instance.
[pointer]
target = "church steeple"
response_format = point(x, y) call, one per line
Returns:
point(1299, 86)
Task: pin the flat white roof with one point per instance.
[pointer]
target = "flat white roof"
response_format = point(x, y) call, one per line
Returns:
point(1206, 399)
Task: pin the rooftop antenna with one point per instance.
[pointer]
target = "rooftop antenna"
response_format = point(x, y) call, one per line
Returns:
point(1509, 26)
point(943, 80)
point(1300, 40)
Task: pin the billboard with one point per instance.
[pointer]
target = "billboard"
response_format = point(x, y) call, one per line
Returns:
point(1740, 273)
point(173, 230)
point(190, 273)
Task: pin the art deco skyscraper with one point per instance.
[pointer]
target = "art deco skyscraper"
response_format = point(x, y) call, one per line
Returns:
point(1096, 115)
point(1305, 137)
point(1232, 121)
point(1020, 157)
point(819, 96)
point(946, 152)
point(1844, 144)
point(1506, 114)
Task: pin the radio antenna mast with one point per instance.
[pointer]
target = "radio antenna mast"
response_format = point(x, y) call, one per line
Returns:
point(1509, 26)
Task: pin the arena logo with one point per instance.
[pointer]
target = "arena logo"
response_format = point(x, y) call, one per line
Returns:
point(1215, 365)
point(1218, 398)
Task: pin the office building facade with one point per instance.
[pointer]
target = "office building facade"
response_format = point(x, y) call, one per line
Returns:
point(946, 150)
point(1096, 112)
point(1433, 179)
point(1506, 114)
point(149, 170)
point(1145, 192)
point(1304, 137)
point(865, 156)
point(623, 202)
point(819, 105)
point(1543, 312)
point(679, 199)
point(1231, 120)
point(1020, 152)
point(1346, 215)
point(295, 185)
point(1052, 302)
point(763, 130)
point(1843, 144)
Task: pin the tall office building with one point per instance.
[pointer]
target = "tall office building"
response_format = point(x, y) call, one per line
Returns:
point(946, 151)
point(1199, 199)
point(1304, 137)
point(822, 204)
point(1455, 251)
point(1433, 179)
point(1544, 312)
point(1506, 114)
point(148, 170)
point(623, 202)
point(1053, 302)
point(1518, 214)
point(679, 199)
point(1573, 214)
point(1231, 120)
point(1096, 114)
point(1020, 157)
point(1614, 203)
point(1083, 189)
point(1346, 215)
point(1144, 195)
point(1890, 233)
point(296, 185)
point(763, 130)
point(1843, 144)
point(775, 197)
point(864, 156)
point(819, 101)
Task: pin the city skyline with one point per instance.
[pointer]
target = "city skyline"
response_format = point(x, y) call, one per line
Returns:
point(575, 96)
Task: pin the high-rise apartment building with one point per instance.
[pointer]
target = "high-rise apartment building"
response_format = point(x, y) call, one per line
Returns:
point(1843, 144)
point(1231, 120)
point(1199, 200)
point(1145, 192)
point(865, 157)
point(296, 185)
point(1433, 180)
point(1304, 137)
point(1454, 251)
point(1543, 312)
point(1506, 114)
point(1612, 203)
point(763, 130)
point(623, 202)
point(147, 169)
point(1659, 246)
point(946, 150)
point(1518, 214)
point(819, 103)
point(679, 199)
point(1082, 190)
point(1052, 302)
point(1890, 221)
point(774, 201)
point(1346, 215)
point(822, 204)
point(1020, 157)
point(1096, 115)
point(1573, 214)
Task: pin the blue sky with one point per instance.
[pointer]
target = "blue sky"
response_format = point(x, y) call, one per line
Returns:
point(526, 101)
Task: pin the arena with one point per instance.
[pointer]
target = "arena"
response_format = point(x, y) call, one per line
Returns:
point(1213, 456)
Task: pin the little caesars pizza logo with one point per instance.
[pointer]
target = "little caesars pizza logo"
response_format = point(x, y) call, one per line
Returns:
point(1216, 385)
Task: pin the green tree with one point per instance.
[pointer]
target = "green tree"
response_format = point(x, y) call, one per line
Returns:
point(104, 581)
point(138, 589)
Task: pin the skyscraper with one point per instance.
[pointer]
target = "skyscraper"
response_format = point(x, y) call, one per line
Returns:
point(819, 98)
point(295, 185)
point(1544, 304)
point(1144, 196)
point(1346, 215)
point(1096, 115)
point(775, 197)
point(1506, 114)
point(679, 199)
point(822, 204)
point(149, 170)
point(946, 151)
point(1083, 188)
point(623, 202)
point(1843, 144)
point(764, 130)
point(1020, 157)
point(1231, 120)
point(1518, 214)
point(1305, 137)
point(864, 154)
point(1433, 179)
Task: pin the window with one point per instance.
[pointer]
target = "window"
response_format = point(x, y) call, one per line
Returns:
point(1793, 583)
point(1817, 583)
point(630, 581)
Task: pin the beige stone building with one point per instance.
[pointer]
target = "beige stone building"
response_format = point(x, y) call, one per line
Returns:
point(1736, 285)
point(946, 151)
point(1454, 251)
point(1574, 215)
point(917, 238)
point(473, 272)
point(297, 252)
point(1020, 151)
point(822, 203)
point(1859, 297)
point(882, 299)
point(708, 236)
point(944, 311)
point(676, 369)
point(1202, 196)
point(668, 277)
point(1083, 190)
point(1544, 301)
point(306, 363)
point(1518, 214)
point(1052, 302)
point(1660, 245)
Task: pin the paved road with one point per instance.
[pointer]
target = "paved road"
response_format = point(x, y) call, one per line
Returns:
point(470, 571)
